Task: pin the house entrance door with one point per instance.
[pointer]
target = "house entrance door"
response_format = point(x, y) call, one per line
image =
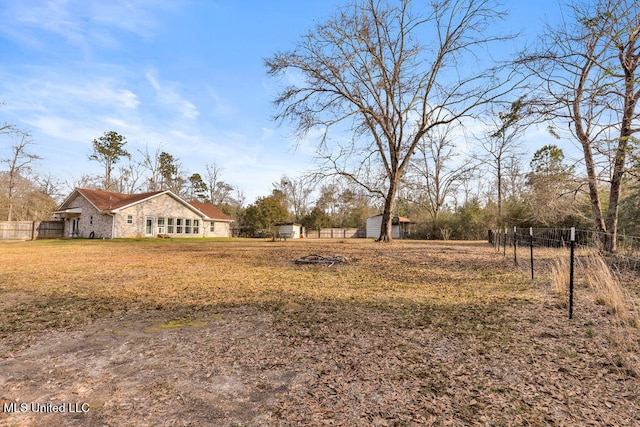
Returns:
point(149, 223)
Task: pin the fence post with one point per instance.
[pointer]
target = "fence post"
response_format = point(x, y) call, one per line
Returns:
point(531, 247)
point(505, 241)
point(573, 245)
point(515, 246)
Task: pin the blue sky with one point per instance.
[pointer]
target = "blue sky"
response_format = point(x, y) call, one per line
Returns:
point(187, 74)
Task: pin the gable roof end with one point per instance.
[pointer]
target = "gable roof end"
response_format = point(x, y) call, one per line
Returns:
point(109, 200)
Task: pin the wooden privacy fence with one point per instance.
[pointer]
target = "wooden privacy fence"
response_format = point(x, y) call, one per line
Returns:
point(337, 233)
point(31, 230)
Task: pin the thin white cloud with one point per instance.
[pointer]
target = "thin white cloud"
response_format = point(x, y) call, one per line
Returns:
point(62, 128)
point(67, 106)
point(267, 132)
point(54, 91)
point(220, 108)
point(102, 92)
point(81, 24)
point(168, 94)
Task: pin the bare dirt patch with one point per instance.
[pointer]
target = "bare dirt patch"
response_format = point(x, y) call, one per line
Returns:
point(234, 333)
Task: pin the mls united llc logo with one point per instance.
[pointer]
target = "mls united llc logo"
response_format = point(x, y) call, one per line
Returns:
point(47, 408)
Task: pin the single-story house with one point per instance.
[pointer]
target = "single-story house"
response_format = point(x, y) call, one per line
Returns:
point(291, 229)
point(107, 215)
point(398, 227)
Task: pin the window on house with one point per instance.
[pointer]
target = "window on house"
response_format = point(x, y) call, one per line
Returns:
point(187, 226)
point(196, 226)
point(129, 219)
point(170, 225)
point(179, 222)
point(212, 227)
point(91, 220)
point(160, 225)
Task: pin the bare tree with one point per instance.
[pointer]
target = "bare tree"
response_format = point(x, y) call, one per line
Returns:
point(151, 162)
point(502, 145)
point(93, 182)
point(129, 177)
point(6, 128)
point(19, 162)
point(30, 201)
point(437, 173)
point(370, 69)
point(219, 191)
point(589, 71)
point(297, 192)
point(50, 185)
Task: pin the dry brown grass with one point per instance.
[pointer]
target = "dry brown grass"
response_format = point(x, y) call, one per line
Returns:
point(235, 333)
point(608, 290)
point(591, 269)
point(560, 274)
point(72, 282)
point(620, 303)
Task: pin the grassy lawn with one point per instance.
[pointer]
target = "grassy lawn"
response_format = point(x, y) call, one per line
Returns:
point(400, 334)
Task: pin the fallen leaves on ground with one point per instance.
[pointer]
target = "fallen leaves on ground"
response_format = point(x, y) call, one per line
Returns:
point(234, 333)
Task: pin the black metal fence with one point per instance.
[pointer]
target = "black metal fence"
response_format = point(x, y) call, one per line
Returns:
point(627, 248)
point(522, 241)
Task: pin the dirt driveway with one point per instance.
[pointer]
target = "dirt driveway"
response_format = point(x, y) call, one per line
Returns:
point(150, 372)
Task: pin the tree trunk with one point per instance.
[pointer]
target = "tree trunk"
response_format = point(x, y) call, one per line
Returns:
point(107, 179)
point(387, 215)
point(626, 133)
point(614, 197)
point(594, 195)
point(11, 185)
point(499, 195)
point(10, 207)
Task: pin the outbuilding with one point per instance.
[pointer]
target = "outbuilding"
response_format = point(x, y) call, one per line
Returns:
point(290, 230)
point(398, 228)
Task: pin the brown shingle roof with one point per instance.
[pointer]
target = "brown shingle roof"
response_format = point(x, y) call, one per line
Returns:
point(209, 210)
point(108, 200)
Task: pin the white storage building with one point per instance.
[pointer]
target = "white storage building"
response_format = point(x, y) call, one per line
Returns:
point(398, 229)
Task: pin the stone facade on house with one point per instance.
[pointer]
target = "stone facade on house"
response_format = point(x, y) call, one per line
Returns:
point(219, 229)
point(88, 220)
point(156, 215)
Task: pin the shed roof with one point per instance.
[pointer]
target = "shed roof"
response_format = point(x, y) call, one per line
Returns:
point(400, 218)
